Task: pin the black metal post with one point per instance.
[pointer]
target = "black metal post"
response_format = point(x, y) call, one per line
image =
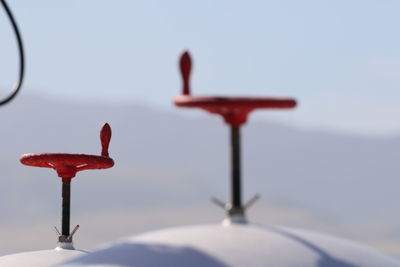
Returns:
point(236, 194)
point(66, 206)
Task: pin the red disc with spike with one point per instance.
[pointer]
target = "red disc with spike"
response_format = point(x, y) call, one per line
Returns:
point(234, 110)
point(67, 165)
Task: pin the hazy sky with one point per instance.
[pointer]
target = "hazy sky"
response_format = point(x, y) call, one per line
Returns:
point(340, 59)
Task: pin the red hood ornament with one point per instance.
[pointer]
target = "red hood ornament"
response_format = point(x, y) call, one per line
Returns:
point(235, 111)
point(66, 166)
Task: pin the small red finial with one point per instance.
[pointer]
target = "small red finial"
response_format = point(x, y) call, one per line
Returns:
point(105, 137)
point(186, 67)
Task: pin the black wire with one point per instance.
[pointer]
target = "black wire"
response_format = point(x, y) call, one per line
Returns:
point(18, 84)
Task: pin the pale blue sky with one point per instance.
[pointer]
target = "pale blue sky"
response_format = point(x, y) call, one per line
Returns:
point(340, 59)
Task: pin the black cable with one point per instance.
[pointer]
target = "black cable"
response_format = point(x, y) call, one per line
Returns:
point(18, 84)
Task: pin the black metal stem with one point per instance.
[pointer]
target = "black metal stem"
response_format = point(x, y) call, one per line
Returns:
point(66, 206)
point(236, 194)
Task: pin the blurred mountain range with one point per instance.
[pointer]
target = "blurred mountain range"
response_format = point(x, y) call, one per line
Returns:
point(169, 164)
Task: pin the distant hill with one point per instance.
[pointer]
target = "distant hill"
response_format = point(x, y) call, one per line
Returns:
point(167, 160)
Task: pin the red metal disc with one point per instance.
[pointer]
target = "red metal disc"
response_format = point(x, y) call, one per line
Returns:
point(67, 165)
point(234, 109)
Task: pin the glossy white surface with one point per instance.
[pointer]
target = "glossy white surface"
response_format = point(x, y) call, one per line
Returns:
point(244, 245)
point(41, 258)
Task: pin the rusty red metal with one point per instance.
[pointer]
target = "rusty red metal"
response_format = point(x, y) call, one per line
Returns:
point(234, 110)
point(67, 165)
